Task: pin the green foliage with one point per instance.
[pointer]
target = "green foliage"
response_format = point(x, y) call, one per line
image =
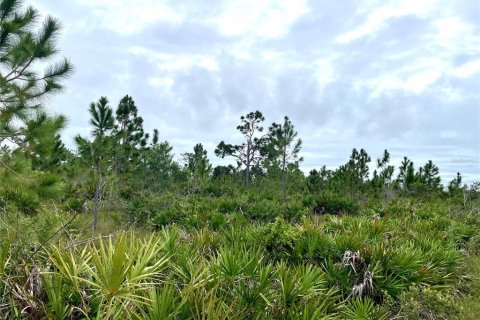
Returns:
point(283, 147)
point(22, 189)
point(162, 303)
point(278, 238)
point(57, 307)
point(426, 303)
point(42, 141)
point(24, 201)
point(329, 267)
point(428, 175)
point(251, 152)
point(364, 309)
point(129, 133)
point(335, 205)
point(338, 244)
point(198, 166)
point(217, 221)
point(24, 50)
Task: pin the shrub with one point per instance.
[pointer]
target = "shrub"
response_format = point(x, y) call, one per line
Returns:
point(334, 205)
point(426, 303)
point(25, 201)
point(294, 211)
point(278, 238)
point(262, 209)
point(217, 220)
point(157, 209)
point(228, 204)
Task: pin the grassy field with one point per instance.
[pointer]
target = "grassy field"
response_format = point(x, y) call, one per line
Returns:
point(206, 259)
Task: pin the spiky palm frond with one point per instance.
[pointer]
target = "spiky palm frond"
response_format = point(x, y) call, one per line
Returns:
point(163, 303)
point(120, 271)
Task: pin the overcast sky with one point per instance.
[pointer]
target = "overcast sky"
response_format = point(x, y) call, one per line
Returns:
point(402, 75)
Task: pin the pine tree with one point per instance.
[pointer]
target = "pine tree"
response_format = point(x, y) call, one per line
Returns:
point(250, 153)
point(385, 172)
point(406, 176)
point(428, 175)
point(455, 185)
point(157, 168)
point(284, 146)
point(97, 153)
point(318, 180)
point(43, 144)
point(355, 172)
point(197, 165)
point(24, 49)
point(129, 134)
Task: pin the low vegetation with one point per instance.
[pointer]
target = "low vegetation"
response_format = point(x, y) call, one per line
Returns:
point(120, 229)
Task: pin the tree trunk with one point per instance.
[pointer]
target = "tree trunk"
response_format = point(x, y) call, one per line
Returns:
point(96, 202)
point(283, 177)
point(247, 170)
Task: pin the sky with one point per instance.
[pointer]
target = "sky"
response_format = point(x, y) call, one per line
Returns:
point(373, 74)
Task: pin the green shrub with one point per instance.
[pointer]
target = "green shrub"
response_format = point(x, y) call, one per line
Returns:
point(278, 238)
point(48, 186)
point(217, 220)
point(313, 246)
point(139, 210)
point(156, 209)
point(262, 209)
point(228, 205)
point(294, 211)
point(187, 220)
point(426, 303)
point(169, 216)
point(334, 205)
point(25, 201)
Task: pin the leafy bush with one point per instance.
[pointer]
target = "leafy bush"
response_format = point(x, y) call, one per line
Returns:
point(336, 206)
point(278, 238)
point(294, 211)
point(473, 245)
point(427, 303)
point(228, 204)
point(157, 209)
point(261, 209)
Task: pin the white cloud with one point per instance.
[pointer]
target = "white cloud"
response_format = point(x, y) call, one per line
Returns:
point(454, 35)
point(413, 78)
point(161, 82)
point(467, 70)
point(378, 16)
point(420, 81)
point(129, 17)
point(326, 72)
point(259, 18)
point(176, 62)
